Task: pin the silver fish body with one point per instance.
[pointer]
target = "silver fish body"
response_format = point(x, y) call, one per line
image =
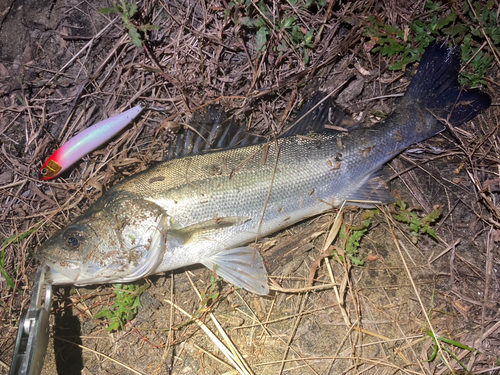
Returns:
point(207, 208)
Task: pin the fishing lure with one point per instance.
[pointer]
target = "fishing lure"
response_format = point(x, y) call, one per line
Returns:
point(88, 140)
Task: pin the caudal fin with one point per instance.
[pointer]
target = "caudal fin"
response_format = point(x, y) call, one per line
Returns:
point(435, 87)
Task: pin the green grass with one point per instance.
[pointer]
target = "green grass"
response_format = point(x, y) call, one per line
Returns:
point(416, 225)
point(277, 32)
point(128, 12)
point(127, 302)
point(469, 29)
point(448, 341)
point(351, 238)
point(9, 241)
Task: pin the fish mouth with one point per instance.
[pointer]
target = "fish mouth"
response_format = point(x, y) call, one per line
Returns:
point(56, 278)
point(62, 275)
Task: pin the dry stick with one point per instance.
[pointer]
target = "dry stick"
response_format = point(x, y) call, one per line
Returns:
point(329, 240)
point(315, 266)
point(268, 330)
point(284, 318)
point(275, 286)
point(165, 75)
point(346, 358)
point(489, 265)
point(268, 193)
point(102, 355)
point(472, 177)
point(476, 343)
point(386, 340)
point(236, 355)
point(325, 19)
point(170, 339)
point(436, 342)
point(71, 110)
point(213, 357)
point(474, 55)
point(292, 334)
point(339, 347)
point(318, 104)
point(122, 40)
point(488, 370)
point(271, 308)
point(445, 251)
point(254, 317)
point(40, 224)
point(407, 252)
point(2, 363)
point(214, 338)
point(77, 54)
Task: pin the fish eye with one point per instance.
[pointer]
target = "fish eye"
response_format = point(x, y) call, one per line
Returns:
point(73, 241)
point(43, 171)
point(74, 237)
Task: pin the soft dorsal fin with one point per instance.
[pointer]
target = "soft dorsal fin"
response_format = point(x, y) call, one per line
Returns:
point(213, 130)
point(319, 115)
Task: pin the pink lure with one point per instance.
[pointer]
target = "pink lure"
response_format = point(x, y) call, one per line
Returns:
point(86, 142)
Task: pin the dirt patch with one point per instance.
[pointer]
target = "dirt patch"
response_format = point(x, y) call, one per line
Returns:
point(65, 66)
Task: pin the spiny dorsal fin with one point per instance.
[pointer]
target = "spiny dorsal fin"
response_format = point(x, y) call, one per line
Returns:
point(213, 130)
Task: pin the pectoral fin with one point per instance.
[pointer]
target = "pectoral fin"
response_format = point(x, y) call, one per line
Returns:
point(243, 267)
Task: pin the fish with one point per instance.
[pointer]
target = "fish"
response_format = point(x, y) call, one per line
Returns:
point(223, 188)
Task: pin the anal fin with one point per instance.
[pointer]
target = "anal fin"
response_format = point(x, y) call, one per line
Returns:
point(243, 267)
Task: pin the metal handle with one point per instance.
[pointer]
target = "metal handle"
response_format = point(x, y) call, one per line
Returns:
point(33, 332)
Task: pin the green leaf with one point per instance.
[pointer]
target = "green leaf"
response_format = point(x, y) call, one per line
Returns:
point(308, 38)
point(107, 10)
point(306, 56)
point(447, 20)
point(289, 21)
point(106, 313)
point(456, 30)
point(264, 9)
point(134, 34)
point(356, 261)
point(247, 21)
point(431, 6)
point(148, 27)
point(127, 302)
point(4, 273)
point(296, 34)
point(261, 39)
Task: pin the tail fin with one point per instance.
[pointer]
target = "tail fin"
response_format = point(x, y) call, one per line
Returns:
point(435, 87)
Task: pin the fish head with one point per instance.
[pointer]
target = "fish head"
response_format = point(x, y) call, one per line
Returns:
point(119, 241)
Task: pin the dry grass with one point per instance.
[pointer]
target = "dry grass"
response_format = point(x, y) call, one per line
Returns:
point(354, 320)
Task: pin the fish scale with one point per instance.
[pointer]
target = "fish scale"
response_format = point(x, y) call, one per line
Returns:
point(206, 208)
